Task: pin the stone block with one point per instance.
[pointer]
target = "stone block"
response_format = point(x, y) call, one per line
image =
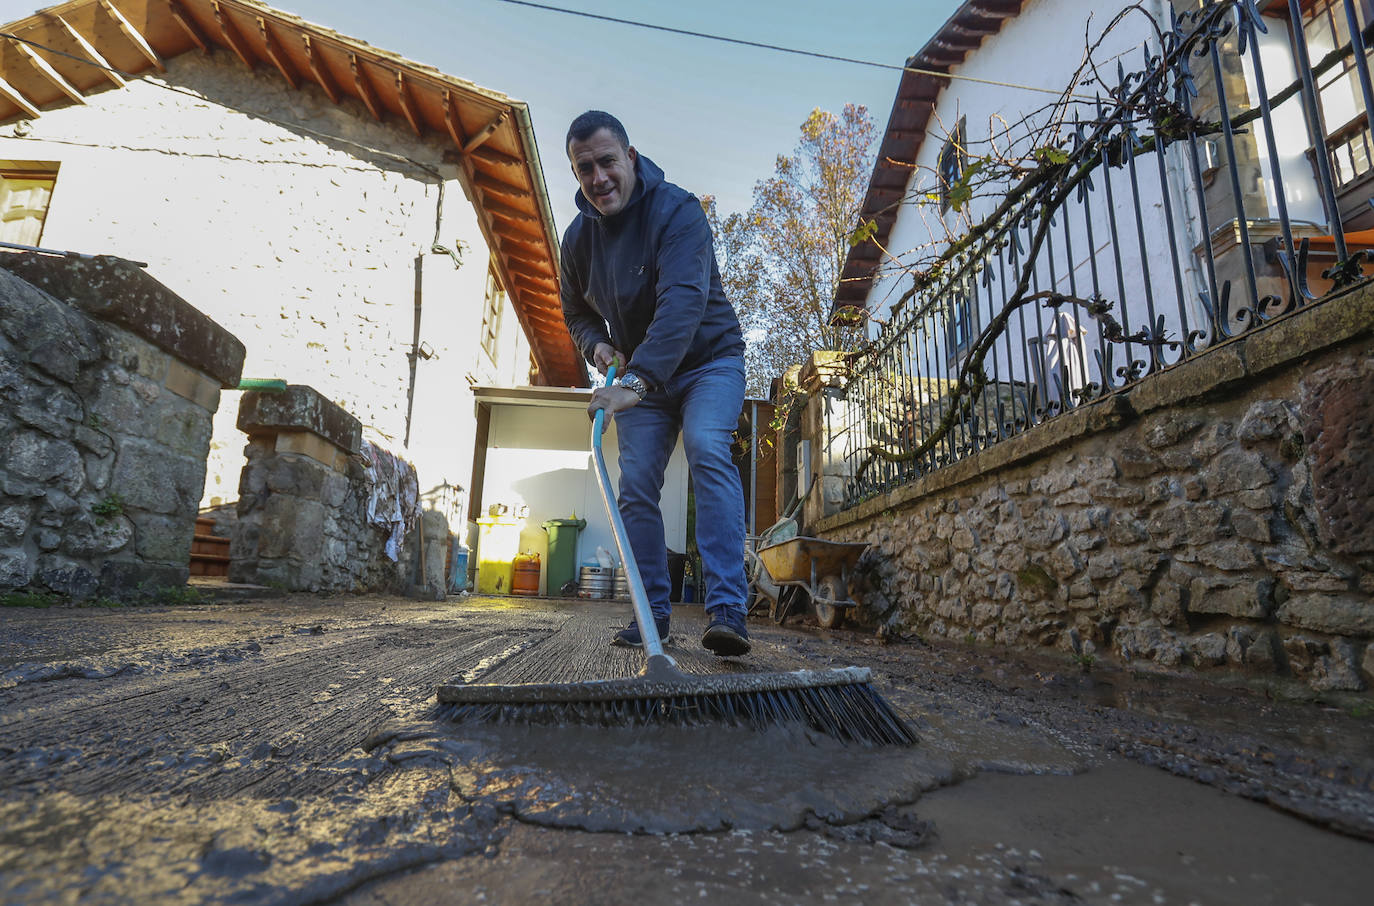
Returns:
point(66, 577)
point(89, 536)
point(150, 477)
point(297, 476)
point(16, 568)
point(1124, 494)
point(291, 528)
point(190, 384)
point(1337, 671)
point(1248, 599)
point(52, 409)
point(1302, 653)
point(92, 440)
point(1215, 437)
point(184, 430)
point(1264, 420)
point(135, 355)
point(1229, 555)
point(1347, 615)
point(134, 578)
point(300, 408)
point(1221, 367)
point(44, 460)
point(1207, 650)
point(1137, 463)
point(163, 538)
point(1168, 428)
point(14, 521)
point(1252, 525)
point(47, 334)
point(1124, 529)
point(1292, 339)
point(1237, 470)
point(98, 470)
point(122, 293)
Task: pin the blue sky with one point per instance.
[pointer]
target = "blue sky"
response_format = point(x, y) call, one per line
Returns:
point(713, 115)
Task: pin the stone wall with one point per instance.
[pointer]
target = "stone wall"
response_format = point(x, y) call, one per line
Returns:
point(1218, 515)
point(108, 384)
point(303, 520)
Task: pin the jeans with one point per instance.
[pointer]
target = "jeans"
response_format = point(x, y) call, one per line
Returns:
point(704, 404)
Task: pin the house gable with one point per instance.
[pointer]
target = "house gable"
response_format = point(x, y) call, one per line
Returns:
point(918, 95)
point(87, 46)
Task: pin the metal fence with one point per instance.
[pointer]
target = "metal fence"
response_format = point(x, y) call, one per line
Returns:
point(1186, 206)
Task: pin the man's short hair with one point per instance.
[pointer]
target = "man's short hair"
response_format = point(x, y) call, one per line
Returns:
point(588, 124)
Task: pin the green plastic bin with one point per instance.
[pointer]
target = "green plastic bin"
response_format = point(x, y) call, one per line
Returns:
point(561, 564)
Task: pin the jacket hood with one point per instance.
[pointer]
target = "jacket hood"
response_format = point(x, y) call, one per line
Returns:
point(647, 177)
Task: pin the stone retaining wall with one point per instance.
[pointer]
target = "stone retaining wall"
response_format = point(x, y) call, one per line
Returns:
point(108, 384)
point(1218, 515)
point(303, 520)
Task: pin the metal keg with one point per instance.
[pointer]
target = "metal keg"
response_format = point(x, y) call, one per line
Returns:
point(594, 582)
point(620, 585)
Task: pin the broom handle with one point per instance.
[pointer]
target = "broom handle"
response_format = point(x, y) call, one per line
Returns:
point(644, 616)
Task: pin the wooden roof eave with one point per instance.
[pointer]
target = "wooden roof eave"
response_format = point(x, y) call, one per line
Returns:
point(917, 95)
point(491, 131)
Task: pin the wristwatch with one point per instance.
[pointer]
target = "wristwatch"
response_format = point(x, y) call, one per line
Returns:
point(636, 383)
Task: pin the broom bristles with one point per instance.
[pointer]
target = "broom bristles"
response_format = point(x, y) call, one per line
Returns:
point(850, 712)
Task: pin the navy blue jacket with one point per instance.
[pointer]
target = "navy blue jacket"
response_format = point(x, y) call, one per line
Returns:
point(645, 281)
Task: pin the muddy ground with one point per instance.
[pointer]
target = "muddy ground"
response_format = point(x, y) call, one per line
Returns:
point(287, 751)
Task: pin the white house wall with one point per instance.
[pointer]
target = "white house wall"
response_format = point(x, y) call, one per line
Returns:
point(538, 456)
point(294, 223)
point(1043, 47)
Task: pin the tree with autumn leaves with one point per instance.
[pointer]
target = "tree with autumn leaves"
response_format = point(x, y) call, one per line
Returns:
point(781, 260)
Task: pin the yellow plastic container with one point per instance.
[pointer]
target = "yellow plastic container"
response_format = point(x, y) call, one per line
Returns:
point(498, 544)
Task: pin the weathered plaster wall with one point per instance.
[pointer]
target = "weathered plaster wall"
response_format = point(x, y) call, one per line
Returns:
point(1218, 514)
point(296, 224)
point(106, 400)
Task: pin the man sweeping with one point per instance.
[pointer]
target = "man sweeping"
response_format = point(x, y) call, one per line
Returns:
point(641, 289)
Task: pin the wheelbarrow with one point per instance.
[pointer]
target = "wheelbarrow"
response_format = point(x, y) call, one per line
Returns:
point(787, 573)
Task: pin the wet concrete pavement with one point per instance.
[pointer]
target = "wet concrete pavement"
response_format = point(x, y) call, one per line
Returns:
point(287, 751)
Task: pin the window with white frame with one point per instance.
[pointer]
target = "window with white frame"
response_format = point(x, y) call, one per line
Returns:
point(492, 307)
point(25, 192)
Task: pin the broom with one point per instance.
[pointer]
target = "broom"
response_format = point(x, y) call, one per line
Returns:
point(839, 703)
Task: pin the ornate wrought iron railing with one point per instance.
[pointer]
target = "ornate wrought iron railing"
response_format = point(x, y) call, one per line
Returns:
point(1189, 204)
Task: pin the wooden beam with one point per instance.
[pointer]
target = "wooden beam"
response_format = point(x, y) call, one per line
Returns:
point(516, 226)
point(403, 96)
point(89, 50)
point(474, 142)
point(499, 186)
point(488, 155)
point(19, 100)
point(320, 71)
point(535, 249)
point(455, 130)
point(133, 35)
point(364, 86)
point(509, 212)
point(537, 286)
point(277, 55)
point(52, 75)
point(535, 267)
point(232, 36)
point(190, 26)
